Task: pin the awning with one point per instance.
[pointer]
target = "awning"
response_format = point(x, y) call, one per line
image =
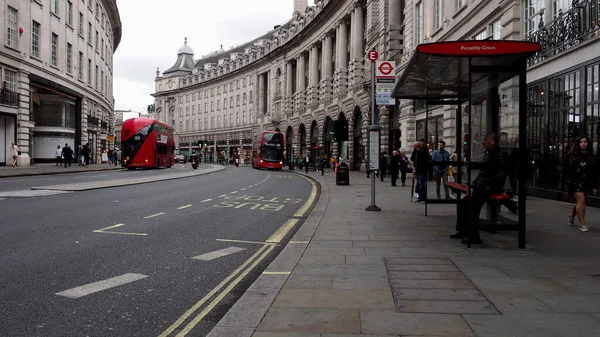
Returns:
point(441, 70)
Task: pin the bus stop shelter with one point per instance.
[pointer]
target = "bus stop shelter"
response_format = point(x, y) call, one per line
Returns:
point(485, 84)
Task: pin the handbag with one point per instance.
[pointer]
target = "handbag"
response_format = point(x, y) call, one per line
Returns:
point(19, 153)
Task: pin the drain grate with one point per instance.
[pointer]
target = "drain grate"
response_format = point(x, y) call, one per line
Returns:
point(298, 217)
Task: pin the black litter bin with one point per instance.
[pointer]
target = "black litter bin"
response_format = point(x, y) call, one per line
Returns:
point(342, 177)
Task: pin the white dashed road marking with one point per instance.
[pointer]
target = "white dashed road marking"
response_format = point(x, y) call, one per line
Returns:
point(218, 253)
point(95, 287)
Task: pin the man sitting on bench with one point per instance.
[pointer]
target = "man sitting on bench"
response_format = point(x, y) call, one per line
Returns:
point(490, 180)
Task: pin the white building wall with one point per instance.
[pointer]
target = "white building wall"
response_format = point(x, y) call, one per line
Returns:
point(104, 19)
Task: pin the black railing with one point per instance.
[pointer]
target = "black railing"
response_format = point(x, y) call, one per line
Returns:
point(572, 27)
point(9, 97)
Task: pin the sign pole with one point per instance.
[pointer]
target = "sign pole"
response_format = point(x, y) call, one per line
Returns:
point(374, 136)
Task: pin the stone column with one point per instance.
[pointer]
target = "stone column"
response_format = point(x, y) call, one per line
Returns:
point(289, 99)
point(300, 98)
point(352, 32)
point(24, 128)
point(313, 78)
point(341, 73)
point(325, 89)
point(394, 37)
point(261, 94)
point(357, 62)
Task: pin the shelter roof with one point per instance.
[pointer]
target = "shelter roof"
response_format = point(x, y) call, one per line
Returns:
point(441, 70)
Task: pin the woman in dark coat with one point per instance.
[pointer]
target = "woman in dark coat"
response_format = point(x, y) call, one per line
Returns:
point(579, 176)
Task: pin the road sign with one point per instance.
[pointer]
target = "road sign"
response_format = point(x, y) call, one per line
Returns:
point(372, 55)
point(385, 69)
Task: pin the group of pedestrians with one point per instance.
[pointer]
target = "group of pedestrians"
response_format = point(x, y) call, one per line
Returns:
point(66, 155)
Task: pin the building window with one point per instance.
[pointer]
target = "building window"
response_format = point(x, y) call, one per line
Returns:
point(11, 27)
point(419, 28)
point(244, 82)
point(89, 32)
point(224, 103)
point(231, 102)
point(219, 105)
point(495, 30)
point(80, 23)
point(593, 104)
point(212, 106)
point(35, 39)
point(97, 40)
point(10, 79)
point(237, 100)
point(180, 111)
point(482, 35)
point(102, 48)
point(250, 97)
point(54, 60)
point(559, 7)
point(70, 13)
point(102, 81)
point(439, 17)
point(531, 10)
point(80, 66)
point(193, 109)
point(69, 58)
point(244, 99)
point(96, 82)
point(187, 110)
point(54, 6)
point(90, 72)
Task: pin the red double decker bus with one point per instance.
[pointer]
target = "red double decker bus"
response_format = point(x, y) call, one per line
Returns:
point(146, 143)
point(268, 153)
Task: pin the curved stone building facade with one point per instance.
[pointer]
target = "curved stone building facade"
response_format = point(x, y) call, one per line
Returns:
point(56, 67)
point(299, 77)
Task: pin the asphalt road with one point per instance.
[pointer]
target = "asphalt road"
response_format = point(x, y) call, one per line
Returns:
point(119, 261)
point(27, 182)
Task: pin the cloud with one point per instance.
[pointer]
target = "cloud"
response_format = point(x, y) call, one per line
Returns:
point(153, 31)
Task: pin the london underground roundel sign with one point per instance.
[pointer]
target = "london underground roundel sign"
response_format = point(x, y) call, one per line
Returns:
point(385, 68)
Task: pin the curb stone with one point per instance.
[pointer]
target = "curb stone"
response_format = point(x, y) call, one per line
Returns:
point(76, 187)
point(245, 315)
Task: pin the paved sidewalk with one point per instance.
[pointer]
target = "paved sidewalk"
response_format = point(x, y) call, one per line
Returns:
point(396, 272)
point(44, 169)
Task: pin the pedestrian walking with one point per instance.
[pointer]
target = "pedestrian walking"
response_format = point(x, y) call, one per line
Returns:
point(58, 155)
point(14, 152)
point(67, 154)
point(306, 163)
point(579, 176)
point(394, 167)
point(440, 170)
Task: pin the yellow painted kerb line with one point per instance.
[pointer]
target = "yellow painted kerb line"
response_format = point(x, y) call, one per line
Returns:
point(219, 298)
point(288, 225)
point(199, 304)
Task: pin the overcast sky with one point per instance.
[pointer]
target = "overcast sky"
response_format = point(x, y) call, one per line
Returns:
point(154, 30)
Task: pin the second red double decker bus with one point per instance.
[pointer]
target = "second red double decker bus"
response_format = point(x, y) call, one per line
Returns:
point(146, 143)
point(268, 153)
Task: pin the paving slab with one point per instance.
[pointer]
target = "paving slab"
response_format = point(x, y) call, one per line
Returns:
point(286, 334)
point(432, 284)
point(388, 243)
point(515, 284)
point(299, 281)
point(311, 320)
point(516, 302)
point(334, 251)
point(447, 307)
point(391, 322)
point(361, 282)
point(421, 267)
point(268, 282)
point(343, 270)
point(438, 294)
point(372, 259)
point(230, 332)
point(334, 298)
point(248, 310)
point(427, 275)
point(533, 325)
point(580, 285)
point(568, 302)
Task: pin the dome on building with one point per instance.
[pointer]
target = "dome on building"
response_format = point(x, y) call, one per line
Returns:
point(185, 49)
point(185, 60)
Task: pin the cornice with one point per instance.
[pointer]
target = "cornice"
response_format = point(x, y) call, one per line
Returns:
point(311, 28)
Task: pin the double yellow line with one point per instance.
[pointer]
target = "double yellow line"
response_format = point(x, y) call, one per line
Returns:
point(241, 272)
